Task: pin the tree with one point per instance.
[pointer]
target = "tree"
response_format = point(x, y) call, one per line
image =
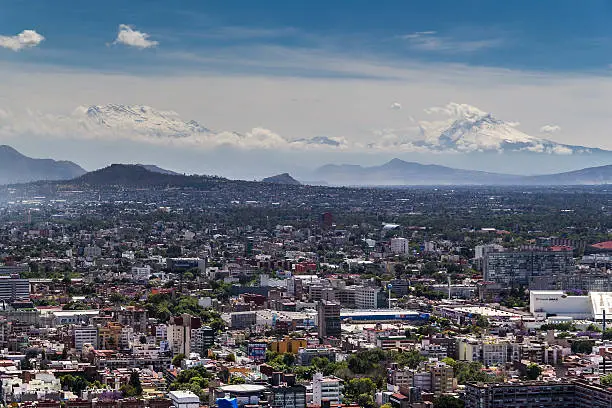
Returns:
point(593, 328)
point(178, 359)
point(135, 382)
point(582, 346)
point(366, 401)
point(237, 380)
point(361, 390)
point(26, 364)
point(446, 401)
point(482, 321)
point(470, 372)
point(117, 298)
point(606, 380)
point(533, 371)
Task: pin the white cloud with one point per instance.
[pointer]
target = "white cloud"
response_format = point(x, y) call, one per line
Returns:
point(396, 106)
point(133, 38)
point(456, 110)
point(25, 39)
point(549, 129)
point(144, 124)
point(431, 41)
point(418, 34)
point(350, 107)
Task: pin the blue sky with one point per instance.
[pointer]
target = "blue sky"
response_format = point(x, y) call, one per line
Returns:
point(541, 35)
point(303, 69)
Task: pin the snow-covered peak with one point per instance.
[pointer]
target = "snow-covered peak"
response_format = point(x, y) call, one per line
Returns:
point(142, 119)
point(459, 110)
point(469, 129)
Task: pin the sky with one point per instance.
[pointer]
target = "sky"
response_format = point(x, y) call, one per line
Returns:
point(261, 75)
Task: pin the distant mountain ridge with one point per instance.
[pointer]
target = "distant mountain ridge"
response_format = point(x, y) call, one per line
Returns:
point(393, 173)
point(18, 168)
point(284, 178)
point(157, 169)
point(399, 172)
point(135, 175)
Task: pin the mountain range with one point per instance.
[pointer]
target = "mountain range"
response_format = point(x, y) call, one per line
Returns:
point(399, 173)
point(17, 168)
point(456, 135)
point(466, 137)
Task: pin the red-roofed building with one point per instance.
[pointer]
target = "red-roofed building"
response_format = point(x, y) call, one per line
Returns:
point(559, 248)
point(603, 246)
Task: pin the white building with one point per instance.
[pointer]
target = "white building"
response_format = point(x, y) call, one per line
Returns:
point(481, 250)
point(85, 335)
point(399, 245)
point(326, 389)
point(92, 251)
point(429, 246)
point(141, 273)
point(184, 399)
point(161, 332)
point(180, 329)
point(490, 351)
point(366, 297)
point(557, 302)
point(44, 385)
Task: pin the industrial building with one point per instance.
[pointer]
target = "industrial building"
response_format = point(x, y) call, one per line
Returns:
point(544, 303)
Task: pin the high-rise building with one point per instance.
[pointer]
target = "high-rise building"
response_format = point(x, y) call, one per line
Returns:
point(520, 268)
point(481, 250)
point(326, 389)
point(366, 297)
point(490, 352)
point(329, 319)
point(327, 219)
point(179, 332)
point(14, 288)
point(399, 246)
point(202, 339)
point(85, 335)
point(287, 394)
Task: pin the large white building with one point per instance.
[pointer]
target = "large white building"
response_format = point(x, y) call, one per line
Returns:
point(180, 329)
point(490, 352)
point(12, 288)
point(184, 399)
point(92, 251)
point(399, 245)
point(543, 303)
point(326, 389)
point(481, 250)
point(141, 273)
point(85, 335)
point(366, 297)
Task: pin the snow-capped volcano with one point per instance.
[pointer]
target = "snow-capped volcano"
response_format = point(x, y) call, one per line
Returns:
point(142, 119)
point(473, 130)
point(149, 123)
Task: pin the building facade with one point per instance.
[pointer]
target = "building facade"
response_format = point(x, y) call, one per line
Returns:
point(521, 268)
point(329, 319)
